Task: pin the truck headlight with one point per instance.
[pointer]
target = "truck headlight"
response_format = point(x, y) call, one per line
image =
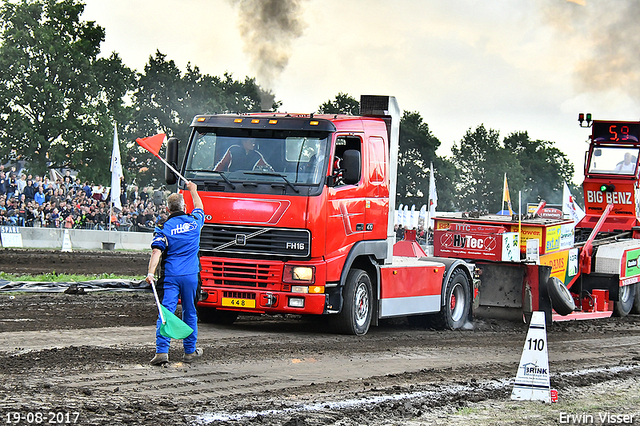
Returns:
point(297, 274)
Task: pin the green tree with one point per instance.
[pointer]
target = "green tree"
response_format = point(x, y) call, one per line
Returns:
point(56, 96)
point(544, 168)
point(343, 104)
point(416, 151)
point(482, 162)
point(166, 100)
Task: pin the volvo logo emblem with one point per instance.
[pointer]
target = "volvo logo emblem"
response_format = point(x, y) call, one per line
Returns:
point(241, 239)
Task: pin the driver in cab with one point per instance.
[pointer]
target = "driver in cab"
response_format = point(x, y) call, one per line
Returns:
point(627, 165)
point(244, 157)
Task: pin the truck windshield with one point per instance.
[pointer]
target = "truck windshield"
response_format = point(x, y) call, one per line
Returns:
point(299, 157)
point(614, 160)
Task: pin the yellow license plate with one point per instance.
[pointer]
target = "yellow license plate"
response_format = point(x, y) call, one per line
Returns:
point(238, 303)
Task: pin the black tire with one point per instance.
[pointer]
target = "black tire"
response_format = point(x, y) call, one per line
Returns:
point(457, 303)
point(635, 309)
point(357, 306)
point(626, 298)
point(213, 316)
point(561, 298)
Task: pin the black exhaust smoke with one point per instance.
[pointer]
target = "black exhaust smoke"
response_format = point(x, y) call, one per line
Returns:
point(268, 29)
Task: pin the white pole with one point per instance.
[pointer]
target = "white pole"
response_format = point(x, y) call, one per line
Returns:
point(503, 186)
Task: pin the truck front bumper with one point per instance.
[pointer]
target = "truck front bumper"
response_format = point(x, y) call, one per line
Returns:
point(262, 301)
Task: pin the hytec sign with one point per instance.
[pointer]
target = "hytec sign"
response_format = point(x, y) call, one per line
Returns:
point(476, 241)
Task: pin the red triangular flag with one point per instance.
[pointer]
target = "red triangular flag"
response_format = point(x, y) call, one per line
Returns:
point(152, 143)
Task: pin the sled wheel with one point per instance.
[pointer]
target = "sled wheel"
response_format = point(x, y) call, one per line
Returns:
point(635, 309)
point(355, 316)
point(626, 299)
point(561, 298)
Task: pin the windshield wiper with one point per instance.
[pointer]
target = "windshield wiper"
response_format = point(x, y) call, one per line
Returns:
point(274, 174)
point(214, 171)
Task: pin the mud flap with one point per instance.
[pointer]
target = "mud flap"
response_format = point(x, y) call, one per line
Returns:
point(513, 290)
point(539, 276)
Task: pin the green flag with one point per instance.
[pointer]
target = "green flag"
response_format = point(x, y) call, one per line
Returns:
point(173, 327)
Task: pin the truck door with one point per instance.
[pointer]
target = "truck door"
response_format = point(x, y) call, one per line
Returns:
point(346, 203)
point(377, 204)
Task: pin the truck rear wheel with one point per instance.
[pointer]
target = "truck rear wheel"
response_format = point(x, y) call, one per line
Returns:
point(355, 315)
point(635, 309)
point(626, 298)
point(214, 316)
point(457, 303)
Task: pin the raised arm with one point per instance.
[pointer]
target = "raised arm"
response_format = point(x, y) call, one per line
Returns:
point(197, 201)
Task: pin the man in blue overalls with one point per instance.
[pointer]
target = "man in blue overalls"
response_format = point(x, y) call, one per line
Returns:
point(175, 246)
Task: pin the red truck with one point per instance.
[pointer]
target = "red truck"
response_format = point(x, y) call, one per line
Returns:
point(299, 220)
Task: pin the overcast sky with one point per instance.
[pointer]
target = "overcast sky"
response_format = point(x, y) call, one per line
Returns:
point(510, 65)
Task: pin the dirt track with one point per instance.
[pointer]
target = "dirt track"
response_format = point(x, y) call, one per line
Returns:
point(34, 262)
point(88, 354)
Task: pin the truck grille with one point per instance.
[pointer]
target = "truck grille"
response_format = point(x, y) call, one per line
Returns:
point(254, 240)
point(238, 274)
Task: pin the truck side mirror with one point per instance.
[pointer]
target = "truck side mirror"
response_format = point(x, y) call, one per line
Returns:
point(352, 165)
point(172, 158)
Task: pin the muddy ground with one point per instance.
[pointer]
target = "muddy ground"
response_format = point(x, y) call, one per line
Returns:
point(35, 262)
point(83, 358)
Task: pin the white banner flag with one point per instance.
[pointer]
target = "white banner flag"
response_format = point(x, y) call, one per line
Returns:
point(116, 171)
point(433, 199)
point(570, 207)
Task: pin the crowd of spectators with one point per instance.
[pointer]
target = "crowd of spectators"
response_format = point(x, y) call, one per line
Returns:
point(27, 200)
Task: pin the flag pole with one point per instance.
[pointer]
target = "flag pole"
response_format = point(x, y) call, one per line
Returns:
point(172, 169)
point(519, 215)
point(504, 186)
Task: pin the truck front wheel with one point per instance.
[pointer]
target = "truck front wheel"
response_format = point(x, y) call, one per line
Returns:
point(626, 296)
point(355, 316)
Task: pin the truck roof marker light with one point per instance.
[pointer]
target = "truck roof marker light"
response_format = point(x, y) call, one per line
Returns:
point(314, 123)
point(238, 120)
point(273, 121)
point(201, 119)
point(255, 121)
